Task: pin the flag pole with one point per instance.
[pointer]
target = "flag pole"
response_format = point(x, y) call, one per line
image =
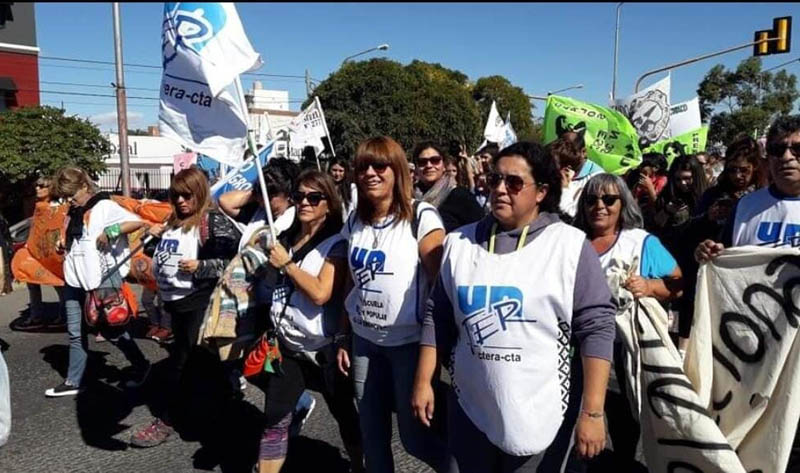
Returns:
point(260, 172)
point(325, 124)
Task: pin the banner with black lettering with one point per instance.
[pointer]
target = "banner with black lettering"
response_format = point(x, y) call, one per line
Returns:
point(743, 357)
point(677, 432)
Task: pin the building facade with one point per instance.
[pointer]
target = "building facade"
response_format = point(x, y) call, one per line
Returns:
point(19, 56)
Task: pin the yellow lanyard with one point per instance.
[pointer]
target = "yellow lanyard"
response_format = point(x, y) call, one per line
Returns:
point(520, 241)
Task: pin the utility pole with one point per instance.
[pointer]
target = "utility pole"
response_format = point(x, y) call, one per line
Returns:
point(308, 84)
point(122, 109)
point(616, 50)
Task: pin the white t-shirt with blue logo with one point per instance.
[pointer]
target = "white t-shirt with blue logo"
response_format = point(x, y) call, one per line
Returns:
point(175, 245)
point(510, 366)
point(390, 285)
point(765, 217)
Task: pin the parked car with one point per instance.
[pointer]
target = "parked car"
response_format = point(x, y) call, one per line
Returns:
point(19, 234)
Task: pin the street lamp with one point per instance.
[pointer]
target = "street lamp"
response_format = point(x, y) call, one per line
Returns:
point(382, 47)
point(579, 86)
point(540, 97)
point(616, 49)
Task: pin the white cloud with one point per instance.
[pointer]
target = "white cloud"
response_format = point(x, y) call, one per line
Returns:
point(110, 119)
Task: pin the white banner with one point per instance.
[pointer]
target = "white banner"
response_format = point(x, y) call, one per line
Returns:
point(648, 111)
point(684, 117)
point(308, 129)
point(204, 50)
point(743, 356)
point(677, 433)
point(494, 130)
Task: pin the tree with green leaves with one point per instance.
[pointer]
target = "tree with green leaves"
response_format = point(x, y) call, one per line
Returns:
point(419, 101)
point(745, 100)
point(36, 141)
point(509, 98)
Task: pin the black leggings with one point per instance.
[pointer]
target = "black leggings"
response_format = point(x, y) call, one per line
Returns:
point(300, 373)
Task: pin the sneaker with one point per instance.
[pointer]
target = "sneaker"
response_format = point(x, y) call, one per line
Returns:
point(62, 389)
point(155, 433)
point(99, 338)
point(162, 335)
point(151, 332)
point(139, 378)
point(29, 323)
point(242, 383)
point(58, 322)
point(302, 411)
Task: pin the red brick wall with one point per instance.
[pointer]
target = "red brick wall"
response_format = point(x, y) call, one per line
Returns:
point(24, 69)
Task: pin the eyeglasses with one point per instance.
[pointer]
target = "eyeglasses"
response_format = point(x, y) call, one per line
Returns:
point(513, 183)
point(777, 150)
point(314, 198)
point(380, 168)
point(608, 199)
point(433, 160)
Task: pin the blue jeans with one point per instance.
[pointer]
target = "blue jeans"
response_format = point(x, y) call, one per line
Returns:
point(74, 298)
point(383, 375)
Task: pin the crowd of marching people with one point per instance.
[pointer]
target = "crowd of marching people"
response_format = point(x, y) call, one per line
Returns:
point(364, 281)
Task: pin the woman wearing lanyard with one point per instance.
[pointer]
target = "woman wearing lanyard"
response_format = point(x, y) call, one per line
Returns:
point(194, 248)
point(305, 312)
point(609, 215)
point(512, 289)
point(393, 253)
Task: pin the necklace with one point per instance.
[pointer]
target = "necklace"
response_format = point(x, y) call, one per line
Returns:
point(376, 234)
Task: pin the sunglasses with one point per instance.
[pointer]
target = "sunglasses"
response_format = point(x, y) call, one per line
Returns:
point(513, 183)
point(378, 167)
point(314, 198)
point(185, 195)
point(777, 150)
point(433, 160)
point(608, 199)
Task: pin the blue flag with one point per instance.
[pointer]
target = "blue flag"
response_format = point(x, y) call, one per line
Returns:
point(245, 176)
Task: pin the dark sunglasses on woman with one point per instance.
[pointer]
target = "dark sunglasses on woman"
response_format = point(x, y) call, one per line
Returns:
point(608, 199)
point(314, 198)
point(434, 160)
point(513, 183)
point(380, 168)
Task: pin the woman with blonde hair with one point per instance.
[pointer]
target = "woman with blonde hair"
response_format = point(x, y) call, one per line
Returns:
point(394, 247)
point(95, 244)
point(195, 246)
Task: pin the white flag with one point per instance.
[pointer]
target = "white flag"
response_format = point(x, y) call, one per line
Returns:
point(649, 112)
point(684, 117)
point(494, 125)
point(308, 129)
point(204, 50)
point(509, 136)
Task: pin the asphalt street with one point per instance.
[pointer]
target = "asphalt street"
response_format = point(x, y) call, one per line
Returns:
point(89, 432)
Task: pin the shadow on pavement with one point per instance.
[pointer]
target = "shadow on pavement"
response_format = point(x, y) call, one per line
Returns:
point(307, 454)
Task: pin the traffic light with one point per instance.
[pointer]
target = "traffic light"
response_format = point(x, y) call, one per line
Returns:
point(781, 33)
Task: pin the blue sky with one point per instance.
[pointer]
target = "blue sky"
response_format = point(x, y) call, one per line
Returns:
point(539, 47)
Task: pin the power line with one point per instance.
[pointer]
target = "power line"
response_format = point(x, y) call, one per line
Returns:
point(95, 85)
point(152, 66)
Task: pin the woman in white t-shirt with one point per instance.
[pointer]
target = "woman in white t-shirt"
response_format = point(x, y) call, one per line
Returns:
point(394, 248)
point(95, 243)
point(308, 266)
point(194, 247)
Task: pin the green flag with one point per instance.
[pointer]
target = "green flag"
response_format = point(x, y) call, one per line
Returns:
point(691, 142)
point(611, 140)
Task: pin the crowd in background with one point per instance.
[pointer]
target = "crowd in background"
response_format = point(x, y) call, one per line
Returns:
point(388, 267)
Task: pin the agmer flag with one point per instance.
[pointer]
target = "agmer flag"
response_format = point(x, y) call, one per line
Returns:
point(611, 140)
point(204, 49)
point(509, 136)
point(243, 178)
point(691, 142)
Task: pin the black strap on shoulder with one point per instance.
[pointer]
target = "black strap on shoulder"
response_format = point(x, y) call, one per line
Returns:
point(415, 218)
